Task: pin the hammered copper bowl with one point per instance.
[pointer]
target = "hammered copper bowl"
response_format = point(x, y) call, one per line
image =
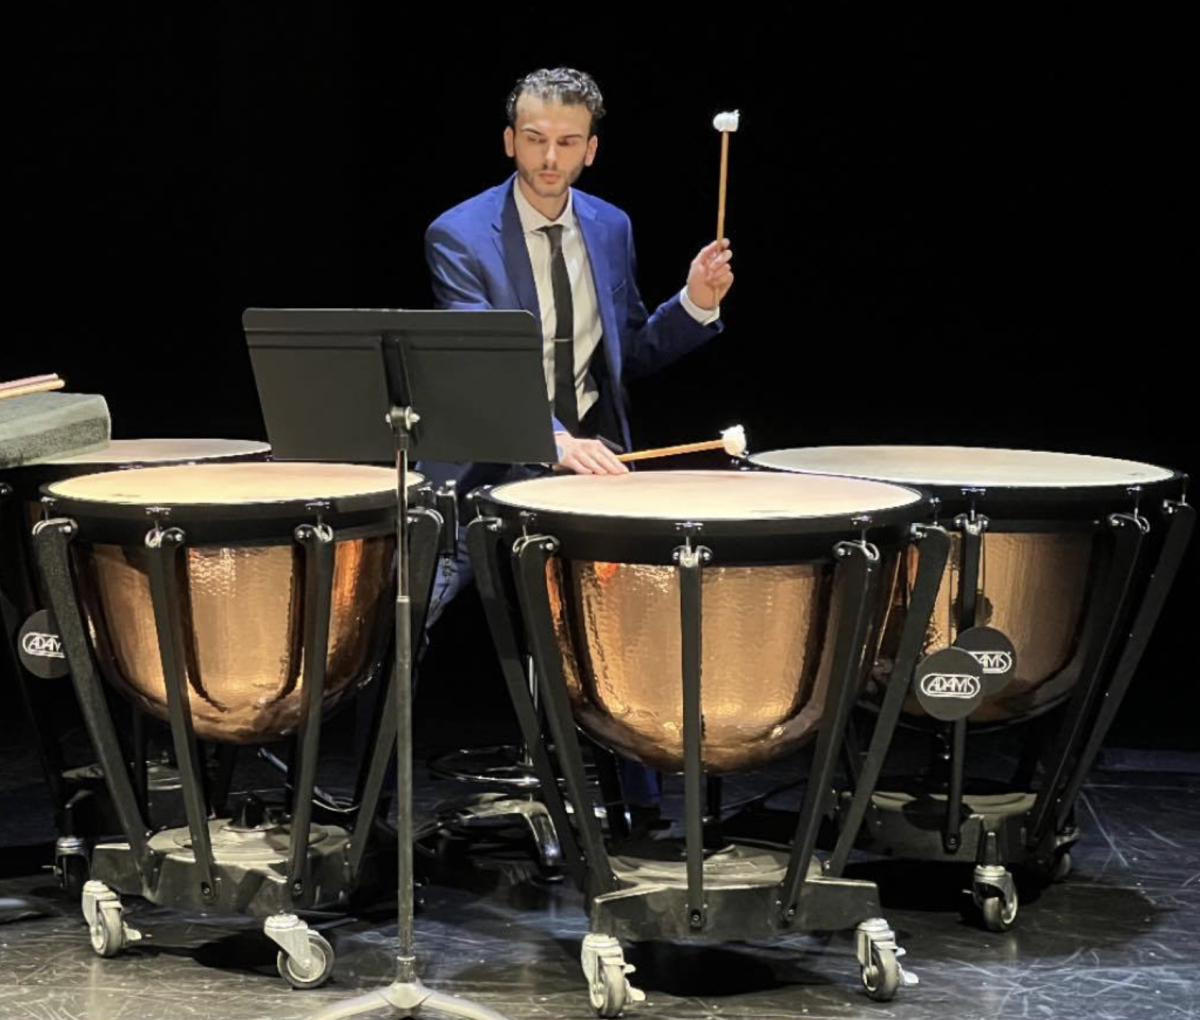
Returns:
point(769, 610)
point(1042, 553)
point(1036, 590)
point(241, 597)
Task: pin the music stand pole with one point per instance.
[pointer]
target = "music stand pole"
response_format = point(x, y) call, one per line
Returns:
point(406, 994)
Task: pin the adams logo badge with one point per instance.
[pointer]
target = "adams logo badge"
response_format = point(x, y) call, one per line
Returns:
point(949, 684)
point(41, 647)
point(994, 652)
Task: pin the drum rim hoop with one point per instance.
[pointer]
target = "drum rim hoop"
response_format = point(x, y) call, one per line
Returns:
point(920, 511)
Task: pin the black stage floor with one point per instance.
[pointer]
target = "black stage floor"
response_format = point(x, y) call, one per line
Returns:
point(1117, 939)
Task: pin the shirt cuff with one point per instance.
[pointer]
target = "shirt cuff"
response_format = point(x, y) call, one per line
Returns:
point(704, 316)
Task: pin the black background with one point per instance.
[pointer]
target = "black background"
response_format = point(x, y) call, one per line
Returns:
point(961, 230)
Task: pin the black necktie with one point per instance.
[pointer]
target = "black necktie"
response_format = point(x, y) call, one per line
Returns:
point(566, 410)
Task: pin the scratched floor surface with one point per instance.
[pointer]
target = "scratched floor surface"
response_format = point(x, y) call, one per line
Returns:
point(1117, 939)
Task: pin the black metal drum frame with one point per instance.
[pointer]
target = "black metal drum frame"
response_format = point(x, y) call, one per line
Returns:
point(277, 870)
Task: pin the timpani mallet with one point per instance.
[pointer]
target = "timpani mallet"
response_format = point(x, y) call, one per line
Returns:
point(726, 123)
point(732, 441)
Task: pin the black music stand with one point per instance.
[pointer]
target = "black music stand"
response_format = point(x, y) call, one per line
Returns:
point(377, 385)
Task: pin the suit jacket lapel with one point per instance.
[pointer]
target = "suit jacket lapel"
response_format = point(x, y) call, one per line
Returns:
point(596, 239)
point(510, 242)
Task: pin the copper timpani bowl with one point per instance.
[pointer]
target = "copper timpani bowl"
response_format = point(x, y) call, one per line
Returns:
point(770, 600)
point(1042, 551)
point(240, 581)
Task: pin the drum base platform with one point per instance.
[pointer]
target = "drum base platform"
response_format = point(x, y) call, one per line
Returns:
point(909, 823)
point(250, 867)
point(741, 887)
point(250, 870)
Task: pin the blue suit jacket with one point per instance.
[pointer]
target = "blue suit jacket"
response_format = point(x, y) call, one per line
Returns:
point(478, 259)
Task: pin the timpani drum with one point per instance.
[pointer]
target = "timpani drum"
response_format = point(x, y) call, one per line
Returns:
point(1058, 567)
point(238, 602)
point(701, 622)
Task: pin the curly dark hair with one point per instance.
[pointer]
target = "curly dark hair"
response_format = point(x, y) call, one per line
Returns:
point(561, 85)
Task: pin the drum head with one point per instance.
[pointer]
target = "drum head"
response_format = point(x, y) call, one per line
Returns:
point(129, 452)
point(965, 467)
point(704, 496)
point(232, 485)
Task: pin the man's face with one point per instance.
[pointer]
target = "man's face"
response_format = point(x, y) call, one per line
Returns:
point(551, 145)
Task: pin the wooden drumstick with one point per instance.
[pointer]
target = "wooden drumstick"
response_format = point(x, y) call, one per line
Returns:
point(732, 441)
point(726, 123)
point(31, 384)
